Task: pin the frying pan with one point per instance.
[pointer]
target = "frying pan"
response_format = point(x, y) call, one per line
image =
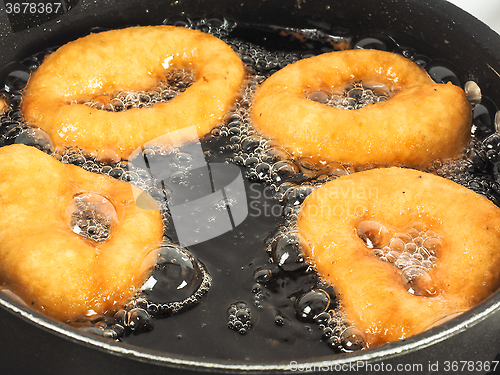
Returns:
point(31, 343)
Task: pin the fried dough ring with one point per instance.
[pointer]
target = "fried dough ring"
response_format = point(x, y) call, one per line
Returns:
point(409, 128)
point(3, 106)
point(48, 265)
point(371, 290)
point(135, 59)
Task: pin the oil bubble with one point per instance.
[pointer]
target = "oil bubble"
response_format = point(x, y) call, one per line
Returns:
point(175, 277)
point(176, 282)
point(374, 234)
point(249, 144)
point(473, 92)
point(138, 320)
point(296, 196)
point(262, 275)
point(311, 304)
point(17, 79)
point(108, 157)
point(287, 253)
point(418, 282)
point(284, 170)
point(99, 331)
point(30, 136)
point(352, 339)
point(442, 74)
point(371, 43)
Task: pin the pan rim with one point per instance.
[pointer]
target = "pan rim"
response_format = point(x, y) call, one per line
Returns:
point(467, 320)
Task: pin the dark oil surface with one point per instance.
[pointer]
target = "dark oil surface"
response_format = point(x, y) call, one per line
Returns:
point(233, 258)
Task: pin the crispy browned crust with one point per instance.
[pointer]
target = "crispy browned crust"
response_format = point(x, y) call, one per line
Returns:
point(53, 269)
point(422, 122)
point(370, 289)
point(135, 58)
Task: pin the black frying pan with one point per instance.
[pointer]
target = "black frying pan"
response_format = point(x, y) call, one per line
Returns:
point(33, 344)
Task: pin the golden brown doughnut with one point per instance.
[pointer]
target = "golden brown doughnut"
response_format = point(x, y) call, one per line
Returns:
point(3, 105)
point(44, 261)
point(379, 204)
point(135, 59)
point(421, 122)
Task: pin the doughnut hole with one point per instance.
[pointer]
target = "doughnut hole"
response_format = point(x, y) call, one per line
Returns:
point(354, 95)
point(412, 250)
point(92, 216)
point(175, 83)
point(416, 246)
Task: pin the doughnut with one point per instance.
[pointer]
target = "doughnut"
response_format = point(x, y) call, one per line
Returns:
point(45, 261)
point(358, 225)
point(3, 105)
point(135, 59)
point(407, 129)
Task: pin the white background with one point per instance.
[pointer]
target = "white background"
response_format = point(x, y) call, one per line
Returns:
point(487, 11)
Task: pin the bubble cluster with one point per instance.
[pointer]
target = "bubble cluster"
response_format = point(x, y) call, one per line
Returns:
point(91, 215)
point(239, 317)
point(215, 26)
point(135, 319)
point(176, 283)
point(176, 82)
point(338, 332)
point(266, 160)
point(414, 251)
point(126, 321)
point(29, 136)
point(354, 96)
point(478, 169)
point(313, 303)
point(14, 130)
point(260, 293)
